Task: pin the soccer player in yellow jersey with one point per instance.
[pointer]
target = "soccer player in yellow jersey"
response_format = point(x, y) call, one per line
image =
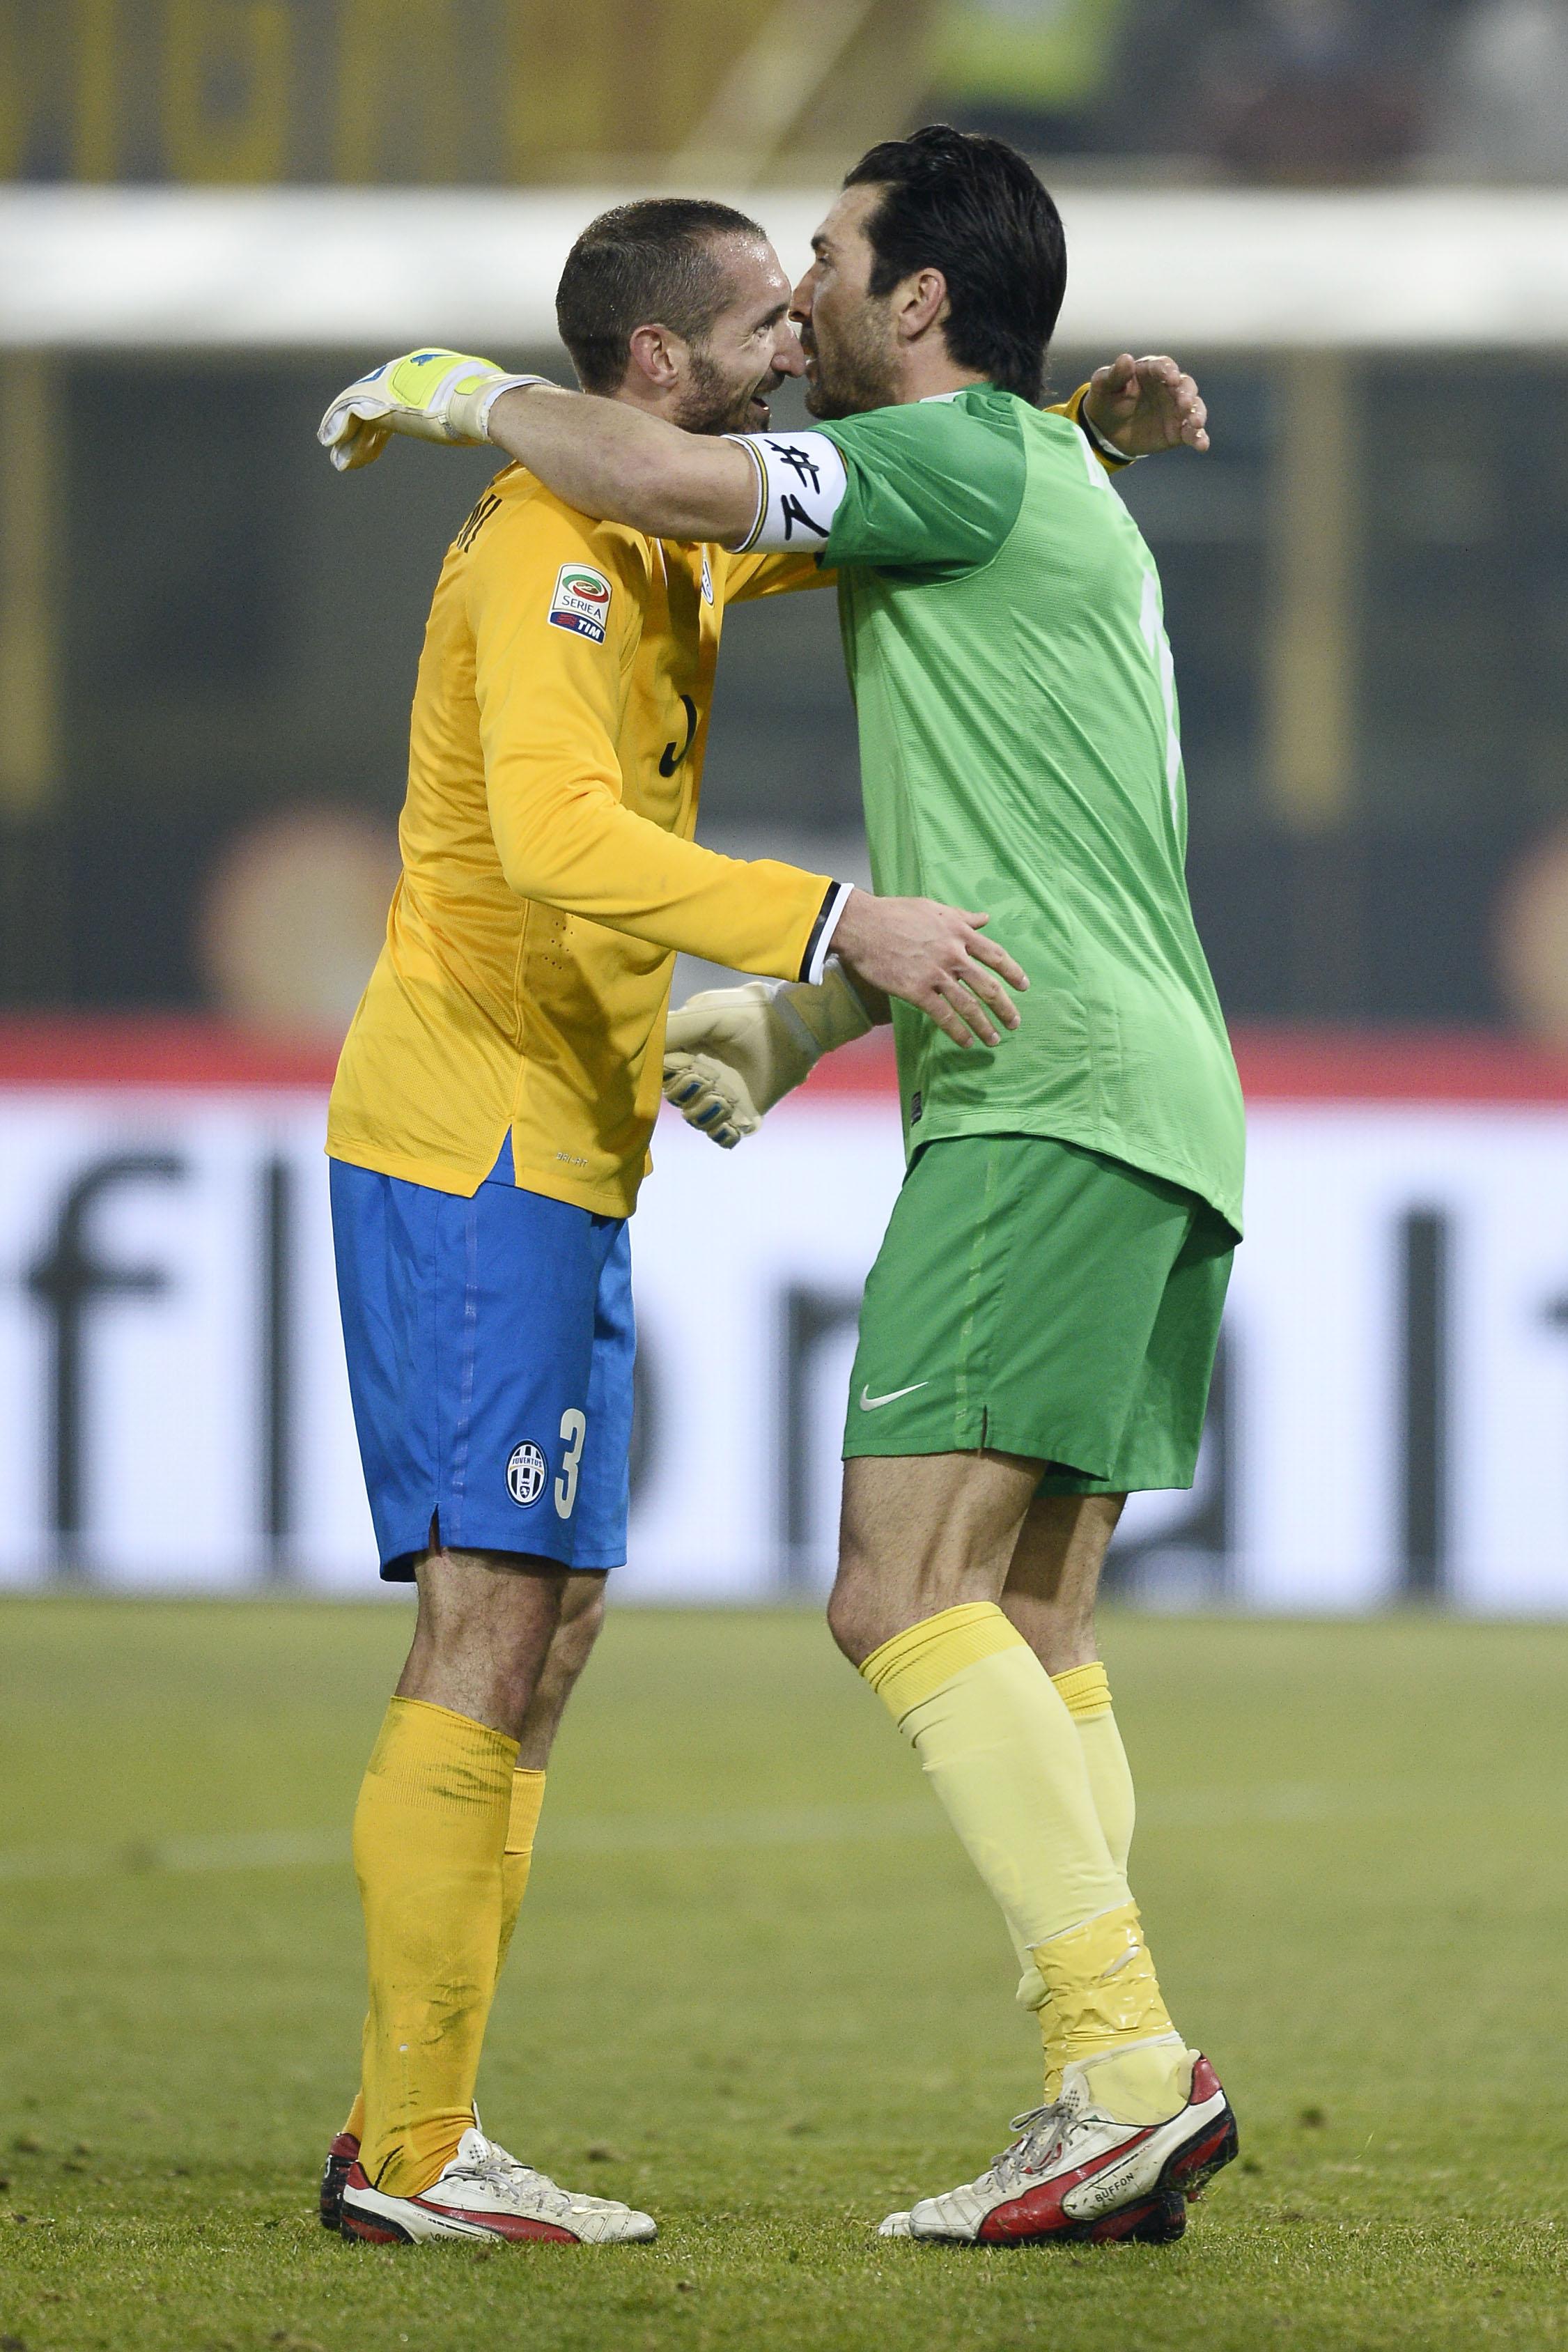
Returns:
point(488, 1130)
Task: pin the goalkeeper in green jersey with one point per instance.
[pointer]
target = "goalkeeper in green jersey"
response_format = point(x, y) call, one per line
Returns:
point(1039, 1330)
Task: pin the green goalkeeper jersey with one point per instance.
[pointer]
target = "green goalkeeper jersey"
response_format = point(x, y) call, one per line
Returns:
point(1005, 636)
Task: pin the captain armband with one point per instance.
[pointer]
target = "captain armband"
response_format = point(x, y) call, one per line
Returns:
point(800, 485)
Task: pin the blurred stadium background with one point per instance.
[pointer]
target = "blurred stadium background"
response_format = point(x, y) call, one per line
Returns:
point(1351, 220)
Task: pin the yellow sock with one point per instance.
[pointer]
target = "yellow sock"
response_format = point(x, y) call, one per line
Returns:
point(1103, 2005)
point(527, 1797)
point(1086, 1695)
point(430, 1830)
point(1001, 1750)
point(1109, 1995)
point(522, 1827)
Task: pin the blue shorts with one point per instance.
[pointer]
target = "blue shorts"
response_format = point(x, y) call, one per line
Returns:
point(490, 1345)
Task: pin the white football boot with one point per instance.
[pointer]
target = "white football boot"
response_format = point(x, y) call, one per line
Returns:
point(1076, 2173)
point(486, 2193)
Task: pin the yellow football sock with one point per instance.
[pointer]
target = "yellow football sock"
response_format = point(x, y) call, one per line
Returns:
point(527, 1797)
point(522, 1827)
point(1086, 1695)
point(1103, 2004)
point(430, 1831)
point(1001, 1750)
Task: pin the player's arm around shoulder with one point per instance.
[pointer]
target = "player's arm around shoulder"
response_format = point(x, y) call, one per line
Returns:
point(931, 482)
point(608, 458)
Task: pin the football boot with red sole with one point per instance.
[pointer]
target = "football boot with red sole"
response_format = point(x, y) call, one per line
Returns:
point(486, 2193)
point(1080, 2176)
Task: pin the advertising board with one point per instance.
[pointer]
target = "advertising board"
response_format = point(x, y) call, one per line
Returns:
point(1390, 1415)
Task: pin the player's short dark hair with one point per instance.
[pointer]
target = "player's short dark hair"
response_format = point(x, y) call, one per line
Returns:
point(655, 261)
point(971, 206)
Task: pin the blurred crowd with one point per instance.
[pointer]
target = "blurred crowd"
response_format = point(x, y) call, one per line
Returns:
point(1295, 93)
point(426, 92)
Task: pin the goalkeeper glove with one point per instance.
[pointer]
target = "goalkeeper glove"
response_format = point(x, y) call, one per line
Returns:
point(434, 395)
point(731, 1053)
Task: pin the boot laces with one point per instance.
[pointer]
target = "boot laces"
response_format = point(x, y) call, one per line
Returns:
point(493, 2162)
point(1039, 2131)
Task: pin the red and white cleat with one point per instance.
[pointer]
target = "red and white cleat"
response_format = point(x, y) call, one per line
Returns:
point(486, 2193)
point(1076, 2173)
point(340, 2156)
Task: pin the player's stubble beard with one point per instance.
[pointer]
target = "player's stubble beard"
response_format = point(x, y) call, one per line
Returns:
point(711, 403)
point(858, 369)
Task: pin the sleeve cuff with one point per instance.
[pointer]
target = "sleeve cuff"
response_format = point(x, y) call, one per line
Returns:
point(1105, 450)
point(492, 392)
point(816, 956)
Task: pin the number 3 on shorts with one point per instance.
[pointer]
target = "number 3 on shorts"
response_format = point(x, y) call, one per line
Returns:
point(573, 1428)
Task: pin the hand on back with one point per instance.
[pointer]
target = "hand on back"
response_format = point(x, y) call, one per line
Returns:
point(935, 958)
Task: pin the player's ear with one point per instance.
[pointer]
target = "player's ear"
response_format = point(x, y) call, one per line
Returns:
point(919, 304)
point(658, 356)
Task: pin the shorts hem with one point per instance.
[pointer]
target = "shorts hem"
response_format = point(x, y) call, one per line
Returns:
point(1009, 1438)
point(1136, 1482)
point(973, 1433)
point(964, 1435)
point(397, 1568)
point(1063, 1475)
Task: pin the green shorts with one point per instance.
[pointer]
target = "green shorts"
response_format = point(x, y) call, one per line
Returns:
point(1047, 1301)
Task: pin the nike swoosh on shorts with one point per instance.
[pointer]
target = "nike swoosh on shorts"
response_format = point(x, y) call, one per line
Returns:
point(869, 1403)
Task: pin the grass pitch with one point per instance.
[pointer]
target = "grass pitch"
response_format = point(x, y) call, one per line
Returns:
point(757, 1989)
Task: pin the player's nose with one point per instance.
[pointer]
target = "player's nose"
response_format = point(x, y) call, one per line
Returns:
point(788, 358)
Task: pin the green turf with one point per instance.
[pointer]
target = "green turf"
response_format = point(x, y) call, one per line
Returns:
point(755, 1990)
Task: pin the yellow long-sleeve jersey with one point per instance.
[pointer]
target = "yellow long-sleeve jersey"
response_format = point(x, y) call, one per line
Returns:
point(548, 871)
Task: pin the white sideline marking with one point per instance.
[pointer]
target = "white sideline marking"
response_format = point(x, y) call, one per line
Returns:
point(1304, 1803)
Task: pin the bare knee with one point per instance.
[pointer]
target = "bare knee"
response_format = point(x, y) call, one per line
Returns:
point(865, 1607)
point(854, 1619)
point(857, 1602)
point(921, 1534)
point(488, 1601)
point(484, 1626)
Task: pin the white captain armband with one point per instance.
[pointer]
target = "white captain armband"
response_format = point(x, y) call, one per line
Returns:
point(800, 484)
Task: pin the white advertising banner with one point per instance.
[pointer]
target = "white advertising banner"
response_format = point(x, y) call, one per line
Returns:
point(1390, 1415)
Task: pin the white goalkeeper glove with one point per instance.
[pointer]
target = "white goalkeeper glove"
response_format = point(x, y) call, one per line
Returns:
point(433, 395)
point(731, 1053)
